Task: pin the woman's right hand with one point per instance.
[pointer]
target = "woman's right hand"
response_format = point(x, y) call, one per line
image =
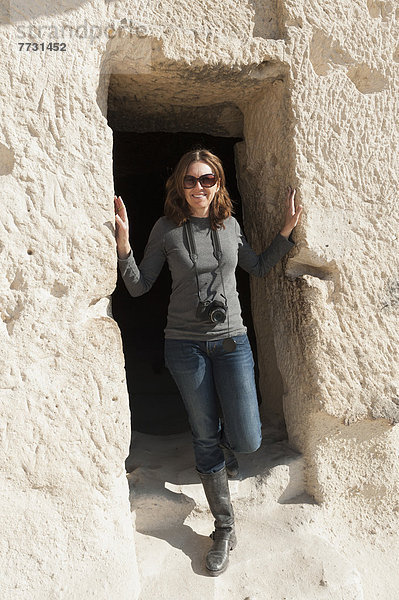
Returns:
point(121, 228)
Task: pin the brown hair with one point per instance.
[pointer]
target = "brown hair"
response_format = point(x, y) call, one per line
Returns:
point(177, 209)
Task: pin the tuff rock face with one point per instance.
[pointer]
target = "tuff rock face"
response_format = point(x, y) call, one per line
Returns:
point(312, 89)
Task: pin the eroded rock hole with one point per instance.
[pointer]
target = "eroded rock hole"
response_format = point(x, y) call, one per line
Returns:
point(142, 163)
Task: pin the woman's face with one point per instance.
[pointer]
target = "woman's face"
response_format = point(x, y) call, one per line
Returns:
point(199, 198)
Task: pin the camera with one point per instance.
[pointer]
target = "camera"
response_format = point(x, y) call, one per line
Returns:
point(213, 311)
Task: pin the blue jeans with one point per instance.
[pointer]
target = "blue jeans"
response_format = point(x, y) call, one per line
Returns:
point(206, 374)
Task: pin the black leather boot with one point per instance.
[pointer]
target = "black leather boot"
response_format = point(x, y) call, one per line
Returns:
point(216, 487)
point(231, 461)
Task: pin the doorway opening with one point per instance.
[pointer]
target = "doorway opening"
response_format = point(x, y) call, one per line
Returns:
point(158, 108)
point(142, 163)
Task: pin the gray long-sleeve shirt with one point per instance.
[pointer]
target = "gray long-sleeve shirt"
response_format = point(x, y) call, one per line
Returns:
point(168, 242)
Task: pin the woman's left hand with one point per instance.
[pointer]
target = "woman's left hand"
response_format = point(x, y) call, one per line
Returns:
point(292, 214)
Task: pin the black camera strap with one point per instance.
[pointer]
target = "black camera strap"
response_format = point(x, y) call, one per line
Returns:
point(228, 344)
point(192, 250)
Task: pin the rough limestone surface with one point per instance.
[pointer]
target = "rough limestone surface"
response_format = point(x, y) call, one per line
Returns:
point(66, 529)
point(312, 89)
point(340, 312)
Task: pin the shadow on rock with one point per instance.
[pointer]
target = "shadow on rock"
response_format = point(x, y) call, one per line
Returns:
point(161, 513)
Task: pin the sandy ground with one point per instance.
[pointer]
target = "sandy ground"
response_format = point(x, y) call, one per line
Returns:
point(289, 548)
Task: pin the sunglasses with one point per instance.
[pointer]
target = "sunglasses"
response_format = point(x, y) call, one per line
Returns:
point(206, 181)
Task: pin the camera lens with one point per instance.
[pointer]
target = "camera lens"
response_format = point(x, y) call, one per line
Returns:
point(218, 315)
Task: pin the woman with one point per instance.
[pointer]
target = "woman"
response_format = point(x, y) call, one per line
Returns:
point(206, 347)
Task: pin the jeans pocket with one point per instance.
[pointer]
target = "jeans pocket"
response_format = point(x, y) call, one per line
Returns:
point(240, 340)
